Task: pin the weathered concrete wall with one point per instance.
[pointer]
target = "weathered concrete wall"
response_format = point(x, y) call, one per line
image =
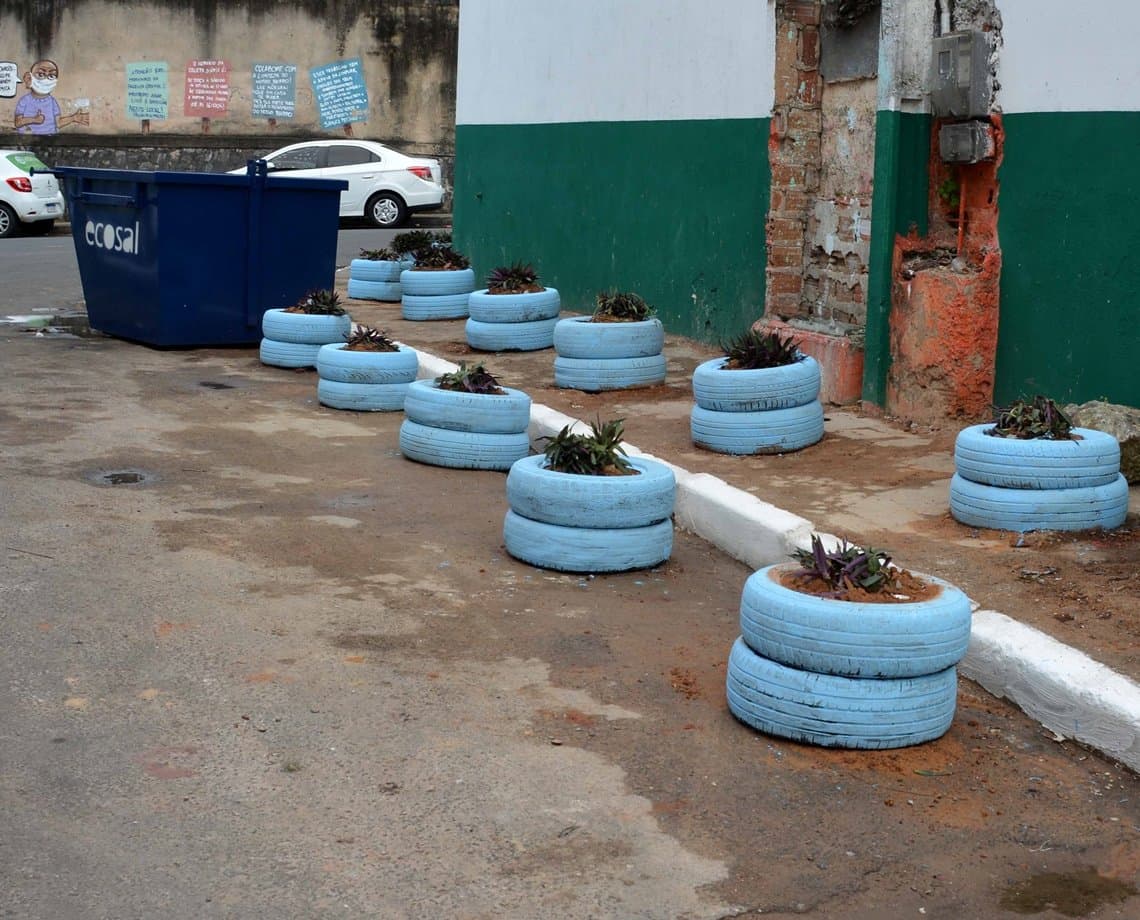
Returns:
point(405, 51)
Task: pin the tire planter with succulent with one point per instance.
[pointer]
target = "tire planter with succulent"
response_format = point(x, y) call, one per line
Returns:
point(375, 275)
point(482, 426)
point(513, 313)
point(367, 373)
point(1031, 469)
point(436, 286)
point(619, 346)
point(293, 336)
point(581, 506)
point(761, 397)
point(832, 666)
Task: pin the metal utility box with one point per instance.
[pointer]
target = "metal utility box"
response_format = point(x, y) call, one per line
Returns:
point(966, 142)
point(179, 259)
point(960, 77)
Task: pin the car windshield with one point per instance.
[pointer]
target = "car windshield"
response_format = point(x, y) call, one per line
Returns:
point(25, 162)
point(302, 158)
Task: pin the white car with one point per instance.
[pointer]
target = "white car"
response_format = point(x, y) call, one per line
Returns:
point(28, 202)
point(384, 186)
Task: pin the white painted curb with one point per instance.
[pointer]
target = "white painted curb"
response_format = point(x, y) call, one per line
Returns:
point(1066, 691)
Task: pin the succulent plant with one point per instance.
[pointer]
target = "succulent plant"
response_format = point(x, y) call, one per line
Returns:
point(846, 567)
point(620, 307)
point(597, 454)
point(440, 257)
point(1038, 417)
point(474, 379)
point(322, 302)
point(380, 255)
point(410, 241)
point(365, 338)
point(755, 349)
point(513, 279)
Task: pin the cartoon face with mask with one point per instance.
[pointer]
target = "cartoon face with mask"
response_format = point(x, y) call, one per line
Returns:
point(38, 112)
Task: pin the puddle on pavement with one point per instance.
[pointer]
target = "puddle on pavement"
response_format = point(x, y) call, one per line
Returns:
point(42, 324)
point(1074, 894)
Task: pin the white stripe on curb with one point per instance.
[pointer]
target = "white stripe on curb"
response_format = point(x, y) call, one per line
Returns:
point(1069, 693)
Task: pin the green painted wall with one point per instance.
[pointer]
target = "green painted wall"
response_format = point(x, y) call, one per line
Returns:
point(902, 183)
point(1070, 284)
point(673, 210)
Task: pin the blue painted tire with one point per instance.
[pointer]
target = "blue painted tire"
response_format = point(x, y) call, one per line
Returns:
point(514, 308)
point(840, 712)
point(506, 413)
point(608, 502)
point(361, 397)
point(428, 283)
point(1021, 510)
point(336, 363)
point(387, 291)
point(304, 328)
point(528, 336)
point(1010, 463)
point(757, 390)
point(423, 307)
point(375, 270)
point(577, 337)
point(587, 549)
point(774, 432)
point(288, 354)
point(595, 374)
point(849, 638)
point(465, 450)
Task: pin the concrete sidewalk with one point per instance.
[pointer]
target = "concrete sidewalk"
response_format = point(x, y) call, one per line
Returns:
point(1068, 692)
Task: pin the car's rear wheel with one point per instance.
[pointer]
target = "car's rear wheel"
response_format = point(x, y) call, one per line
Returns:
point(9, 222)
point(386, 210)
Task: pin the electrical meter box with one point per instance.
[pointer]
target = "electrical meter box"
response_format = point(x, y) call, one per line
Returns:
point(960, 78)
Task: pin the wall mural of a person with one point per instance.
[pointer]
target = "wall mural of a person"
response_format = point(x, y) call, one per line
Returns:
point(37, 111)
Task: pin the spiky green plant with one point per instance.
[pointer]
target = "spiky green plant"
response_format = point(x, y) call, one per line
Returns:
point(513, 279)
point(596, 454)
point(474, 379)
point(365, 338)
point(411, 240)
point(620, 307)
point(322, 302)
point(755, 349)
point(440, 257)
point(1038, 417)
point(846, 567)
point(380, 255)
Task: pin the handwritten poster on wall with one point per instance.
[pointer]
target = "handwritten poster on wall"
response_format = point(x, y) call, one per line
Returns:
point(207, 92)
point(9, 79)
point(340, 93)
point(147, 95)
point(274, 90)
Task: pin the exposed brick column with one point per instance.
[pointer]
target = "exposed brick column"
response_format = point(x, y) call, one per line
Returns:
point(793, 153)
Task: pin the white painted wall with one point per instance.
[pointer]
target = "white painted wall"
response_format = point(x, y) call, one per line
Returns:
point(1060, 56)
point(559, 61)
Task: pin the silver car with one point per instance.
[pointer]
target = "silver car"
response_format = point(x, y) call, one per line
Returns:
point(384, 186)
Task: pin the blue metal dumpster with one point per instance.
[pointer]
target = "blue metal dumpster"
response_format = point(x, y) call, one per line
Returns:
point(183, 259)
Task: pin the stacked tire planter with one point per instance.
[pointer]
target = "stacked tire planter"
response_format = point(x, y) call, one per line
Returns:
point(427, 294)
point(579, 523)
point(756, 411)
point(512, 322)
point(471, 431)
point(594, 356)
point(846, 674)
point(376, 279)
point(365, 381)
point(1038, 484)
point(294, 339)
